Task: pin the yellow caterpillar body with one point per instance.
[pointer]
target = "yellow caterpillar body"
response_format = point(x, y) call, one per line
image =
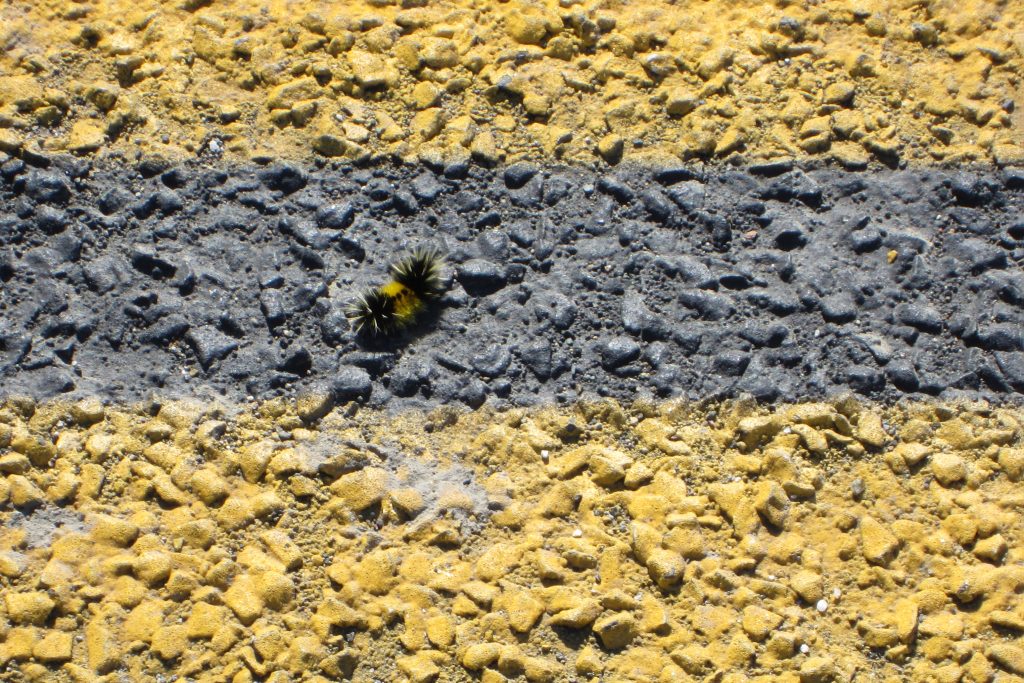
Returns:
point(407, 303)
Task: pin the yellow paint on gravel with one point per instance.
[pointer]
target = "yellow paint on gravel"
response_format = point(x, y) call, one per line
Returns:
point(287, 543)
point(928, 81)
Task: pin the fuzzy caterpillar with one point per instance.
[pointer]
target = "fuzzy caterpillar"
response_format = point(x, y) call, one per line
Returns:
point(390, 308)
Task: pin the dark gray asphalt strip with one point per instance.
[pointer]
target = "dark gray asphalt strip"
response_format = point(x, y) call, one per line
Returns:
point(773, 281)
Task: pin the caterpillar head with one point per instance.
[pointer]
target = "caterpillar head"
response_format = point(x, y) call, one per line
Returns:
point(420, 271)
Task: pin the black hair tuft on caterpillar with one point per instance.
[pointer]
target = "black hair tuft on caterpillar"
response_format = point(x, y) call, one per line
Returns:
point(420, 271)
point(388, 309)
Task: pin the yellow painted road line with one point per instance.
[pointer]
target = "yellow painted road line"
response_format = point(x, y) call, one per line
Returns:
point(927, 82)
point(282, 542)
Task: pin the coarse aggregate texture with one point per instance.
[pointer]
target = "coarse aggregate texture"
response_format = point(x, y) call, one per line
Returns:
point(775, 281)
point(599, 542)
point(928, 82)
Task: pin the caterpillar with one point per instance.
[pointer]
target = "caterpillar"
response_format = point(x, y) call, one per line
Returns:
point(390, 308)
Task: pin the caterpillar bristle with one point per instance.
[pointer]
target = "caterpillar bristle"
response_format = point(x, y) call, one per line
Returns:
point(373, 314)
point(420, 271)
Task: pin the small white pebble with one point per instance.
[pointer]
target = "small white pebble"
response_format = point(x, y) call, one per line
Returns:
point(836, 593)
point(577, 533)
point(544, 455)
point(804, 649)
point(822, 605)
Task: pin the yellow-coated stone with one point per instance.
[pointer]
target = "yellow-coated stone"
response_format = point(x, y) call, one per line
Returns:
point(153, 567)
point(1008, 656)
point(24, 493)
point(616, 631)
point(204, 620)
point(20, 643)
point(103, 651)
point(878, 543)
point(870, 430)
point(1011, 460)
point(665, 567)
point(758, 623)
point(588, 662)
point(359, 490)
point(376, 572)
point(209, 486)
point(143, 621)
point(243, 598)
point(14, 463)
point(283, 548)
point(253, 459)
point(441, 631)
point(608, 466)
point(949, 469)
point(580, 616)
point(522, 608)
point(169, 642)
point(86, 136)
point(419, 668)
point(497, 561)
point(817, 670)
point(54, 647)
point(991, 549)
point(479, 655)
point(771, 502)
point(275, 590)
point(808, 585)
point(28, 608)
point(905, 618)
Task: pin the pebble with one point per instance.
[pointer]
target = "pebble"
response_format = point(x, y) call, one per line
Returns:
point(923, 317)
point(879, 545)
point(335, 216)
point(286, 178)
point(28, 608)
point(731, 363)
point(639, 320)
point(838, 309)
point(519, 174)
point(1011, 460)
point(47, 188)
point(616, 631)
point(350, 383)
point(759, 623)
point(618, 351)
point(210, 345)
point(480, 277)
point(817, 670)
point(949, 469)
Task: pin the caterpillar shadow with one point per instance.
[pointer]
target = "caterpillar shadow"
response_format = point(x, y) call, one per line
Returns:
point(426, 321)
